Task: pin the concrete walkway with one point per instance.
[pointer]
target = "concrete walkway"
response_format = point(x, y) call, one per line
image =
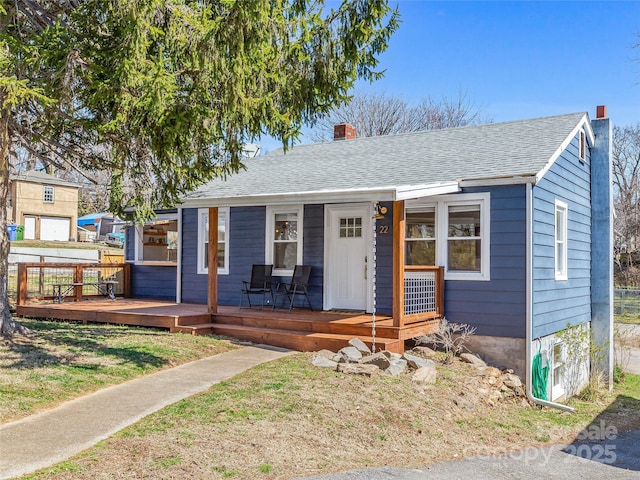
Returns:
point(53, 436)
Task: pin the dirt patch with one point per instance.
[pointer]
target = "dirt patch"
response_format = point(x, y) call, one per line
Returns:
point(288, 419)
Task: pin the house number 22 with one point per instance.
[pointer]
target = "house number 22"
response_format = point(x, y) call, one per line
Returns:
point(383, 229)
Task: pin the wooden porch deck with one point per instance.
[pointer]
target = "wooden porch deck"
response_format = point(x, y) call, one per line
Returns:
point(301, 329)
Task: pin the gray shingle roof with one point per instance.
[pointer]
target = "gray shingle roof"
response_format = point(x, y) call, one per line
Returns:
point(509, 149)
point(33, 176)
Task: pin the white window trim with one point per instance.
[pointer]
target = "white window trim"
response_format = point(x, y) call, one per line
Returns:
point(441, 204)
point(139, 237)
point(563, 274)
point(270, 233)
point(203, 216)
point(44, 194)
point(558, 391)
point(582, 145)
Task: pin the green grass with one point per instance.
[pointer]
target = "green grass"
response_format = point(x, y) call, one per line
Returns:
point(61, 360)
point(71, 245)
point(286, 419)
point(627, 307)
point(627, 317)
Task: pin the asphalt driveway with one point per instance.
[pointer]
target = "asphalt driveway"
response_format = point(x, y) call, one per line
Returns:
point(612, 458)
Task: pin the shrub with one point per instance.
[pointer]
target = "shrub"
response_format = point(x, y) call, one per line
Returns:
point(450, 337)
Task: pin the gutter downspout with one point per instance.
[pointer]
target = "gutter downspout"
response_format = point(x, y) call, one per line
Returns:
point(179, 259)
point(529, 315)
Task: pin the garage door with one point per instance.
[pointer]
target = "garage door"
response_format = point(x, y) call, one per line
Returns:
point(54, 228)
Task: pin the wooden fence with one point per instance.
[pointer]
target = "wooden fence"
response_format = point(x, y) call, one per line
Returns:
point(35, 281)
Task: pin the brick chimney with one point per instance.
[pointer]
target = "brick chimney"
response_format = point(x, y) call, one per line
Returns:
point(344, 131)
point(601, 111)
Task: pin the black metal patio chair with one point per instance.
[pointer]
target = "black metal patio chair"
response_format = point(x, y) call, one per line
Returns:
point(299, 285)
point(260, 284)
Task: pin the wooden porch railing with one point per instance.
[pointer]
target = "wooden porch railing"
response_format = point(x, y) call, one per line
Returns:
point(418, 291)
point(36, 280)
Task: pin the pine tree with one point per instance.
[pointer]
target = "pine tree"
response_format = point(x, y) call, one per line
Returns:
point(163, 94)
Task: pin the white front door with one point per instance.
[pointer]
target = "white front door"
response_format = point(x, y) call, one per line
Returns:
point(347, 245)
point(29, 228)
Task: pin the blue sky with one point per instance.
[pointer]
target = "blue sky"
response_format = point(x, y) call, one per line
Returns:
point(516, 60)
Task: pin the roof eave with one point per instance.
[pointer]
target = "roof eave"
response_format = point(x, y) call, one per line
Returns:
point(293, 198)
point(585, 124)
point(498, 181)
point(380, 194)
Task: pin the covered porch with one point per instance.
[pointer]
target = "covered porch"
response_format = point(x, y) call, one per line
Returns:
point(417, 306)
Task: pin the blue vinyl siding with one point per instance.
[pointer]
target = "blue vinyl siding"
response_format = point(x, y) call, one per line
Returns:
point(246, 233)
point(558, 302)
point(313, 252)
point(194, 286)
point(384, 262)
point(246, 247)
point(149, 281)
point(497, 307)
point(129, 244)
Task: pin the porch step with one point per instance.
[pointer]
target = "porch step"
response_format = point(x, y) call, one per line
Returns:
point(195, 319)
point(293, 339)
point(284, 321)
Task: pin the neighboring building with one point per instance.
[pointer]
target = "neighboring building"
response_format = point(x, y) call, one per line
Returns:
point(101, 224)
point(518, 214)
point(44, 204)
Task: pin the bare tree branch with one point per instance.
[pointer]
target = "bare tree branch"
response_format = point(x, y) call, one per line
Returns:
point(381, 114)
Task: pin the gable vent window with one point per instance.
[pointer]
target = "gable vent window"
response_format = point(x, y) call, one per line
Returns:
point(561, 231)
point(47, 196)
point(583, 147)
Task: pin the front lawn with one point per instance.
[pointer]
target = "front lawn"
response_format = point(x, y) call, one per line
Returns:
point(59, 361)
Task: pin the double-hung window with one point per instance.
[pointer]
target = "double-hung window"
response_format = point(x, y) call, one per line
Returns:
point(420, 237)
point(452, 231)
point(47, 194)
point(284, 238)
point(561, 230)
point(464, 238)
point(557, 372)
point(223, 241)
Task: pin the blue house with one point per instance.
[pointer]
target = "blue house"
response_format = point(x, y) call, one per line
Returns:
point(505, 226)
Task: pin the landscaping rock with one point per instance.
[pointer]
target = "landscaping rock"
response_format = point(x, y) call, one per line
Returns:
point(491, 372)
point(424, 351)
point(358, 369)
point(492, 397)
point(396, 367)
point(472, 359)
point(418, 362)
point(391, 355)
point(506, 390)
point(495, 382)
point(350, 355)
point(326, 354)
point(360, 345)
point(320, 361)
point(425, 375)
point(511, 380)
point(380, 360)
point(519, 391)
